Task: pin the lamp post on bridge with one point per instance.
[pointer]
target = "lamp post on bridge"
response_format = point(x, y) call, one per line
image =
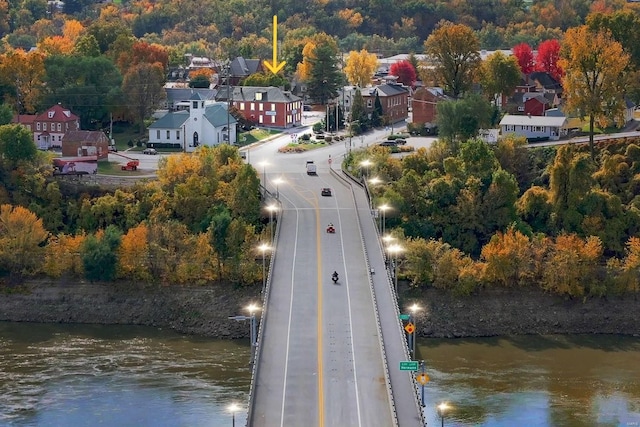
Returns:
point(253, 336)
point(264, 248)
point(271, 209)
point(394, 250)
point(442, 411)
point(383, 221)
point(264, 164)
point(233, 408)
point(412, 318)
point(277, 182)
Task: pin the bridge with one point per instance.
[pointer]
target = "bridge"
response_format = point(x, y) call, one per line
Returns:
point(328, 354)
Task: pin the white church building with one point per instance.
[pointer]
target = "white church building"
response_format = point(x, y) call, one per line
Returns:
point(206, 122)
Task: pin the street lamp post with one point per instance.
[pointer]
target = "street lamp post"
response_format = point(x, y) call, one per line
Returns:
point(278, 181)
point(413, 310)
point(442, 410)
point(394, 250)
point(253, 336)
point(383, 221)
point(366, 163)
point(264, 164)
point(264, 248)
point(233, 408)
point(271, 209)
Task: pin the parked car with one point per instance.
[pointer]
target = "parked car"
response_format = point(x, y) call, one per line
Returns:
point(400, 141)
point(113, 148)
point(149, 151)
point(388, 143)
point(306, 108)
point(326, 192)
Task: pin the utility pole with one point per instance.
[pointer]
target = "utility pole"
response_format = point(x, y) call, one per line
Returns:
point(229, 97)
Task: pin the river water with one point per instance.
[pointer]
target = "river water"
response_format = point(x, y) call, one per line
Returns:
point(119, 376)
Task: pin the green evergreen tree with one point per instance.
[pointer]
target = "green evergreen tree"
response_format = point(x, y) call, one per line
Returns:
point(325, 78)
point(359, 117)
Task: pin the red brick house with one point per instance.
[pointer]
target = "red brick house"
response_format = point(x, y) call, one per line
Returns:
point(393, 97)
point(268, 106)
point(537, 104)
point(50, 127)
point(80, 143)
point(424, 103)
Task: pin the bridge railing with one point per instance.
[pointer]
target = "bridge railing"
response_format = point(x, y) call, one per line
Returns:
point(255, 362)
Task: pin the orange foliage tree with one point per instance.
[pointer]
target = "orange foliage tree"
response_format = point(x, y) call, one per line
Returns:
point(21, 241)
point(62, 256)
point(133, 255)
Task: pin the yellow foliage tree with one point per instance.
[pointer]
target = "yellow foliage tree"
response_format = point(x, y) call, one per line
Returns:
point(56, 45)
point(594, 81)
point(23, 73)
point(133, 255)
point(21, 241)
point(509, 260)
point(62, 256)
point(360, 67)
point(309, 55)
point(352, 18)
point(72, 29)
point(571, 265)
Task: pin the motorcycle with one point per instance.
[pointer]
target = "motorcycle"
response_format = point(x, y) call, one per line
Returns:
point(334, 277)
point(331, 229)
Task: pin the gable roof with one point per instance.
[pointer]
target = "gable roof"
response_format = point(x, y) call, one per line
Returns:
point(85, 136)
point(241, 67)
point(527, 120)
point(216, 114)
point(269, 94)
point(175, 95)
point(170, 120)
point(545, 80)
point(60, 114)
point(385, 90)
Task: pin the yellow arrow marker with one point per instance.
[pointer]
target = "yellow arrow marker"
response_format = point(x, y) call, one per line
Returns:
point(274, 67)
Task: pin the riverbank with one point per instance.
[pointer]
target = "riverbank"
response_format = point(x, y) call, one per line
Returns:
point(205, 311)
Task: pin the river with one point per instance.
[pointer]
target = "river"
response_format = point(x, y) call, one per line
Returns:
point(119, 376)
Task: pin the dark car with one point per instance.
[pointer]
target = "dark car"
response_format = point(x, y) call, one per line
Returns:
point(306, 108)
point(400, 141)
point(326, 192)
point(388, 143)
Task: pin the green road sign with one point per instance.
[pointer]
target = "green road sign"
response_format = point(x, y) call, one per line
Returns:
point(404, 317)
point(409, 366)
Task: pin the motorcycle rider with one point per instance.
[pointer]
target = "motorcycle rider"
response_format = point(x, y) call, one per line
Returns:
point(334, 276)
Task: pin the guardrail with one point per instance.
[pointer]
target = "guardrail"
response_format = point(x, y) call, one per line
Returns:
point(375, 302)
point(263, 318)
point(393, 292)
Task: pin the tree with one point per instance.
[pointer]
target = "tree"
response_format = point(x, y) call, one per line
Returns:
point(87, 45)
point(100, 255)
point(88, 86)
point(359, 116)
point(324, 77)
point(405, 72)
point(595, 67)
point(21, 241)
point(6, 114)
point(548, 58)
point(265, 80)
point(524, 54)
point(143, 53)
point(453, 49)
point(23, 73)
point(360, 67)
point(460, 120)
point(499, 74)
point(16, 145)
point(143, 88)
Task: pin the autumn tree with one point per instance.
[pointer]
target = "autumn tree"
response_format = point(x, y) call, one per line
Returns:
point(143, 53)
point(453, 49)
point(100, 254)
point(319, 68)
point(23, 73)
point(595, 67)
point(87, 45)
point(499, 74)
point(360, 67)
point(21, 242)
point(509, 259)
point(56, 45)
point(405, 72)
point(62, 256)
point(16, 145)
point(524, 54)
point(133, 254)
point(548, 57)
point(265, 80)
point(143, 88)
point(461, 119)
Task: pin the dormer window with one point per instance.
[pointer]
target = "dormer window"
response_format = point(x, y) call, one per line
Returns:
point(195, 105)
point(258, 96)
point(51, 113)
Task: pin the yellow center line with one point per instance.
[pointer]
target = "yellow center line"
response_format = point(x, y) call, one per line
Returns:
point(319, 326)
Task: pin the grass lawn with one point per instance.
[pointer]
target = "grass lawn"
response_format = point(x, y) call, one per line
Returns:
point(114, 168)
point(255, 135)
point(300, 148)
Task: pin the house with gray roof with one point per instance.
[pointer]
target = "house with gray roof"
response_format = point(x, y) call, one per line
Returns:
point(534, 128)
point(393, 97)
point(206, 122)
point(178, 97)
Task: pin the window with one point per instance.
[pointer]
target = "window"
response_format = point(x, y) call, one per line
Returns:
point(59, 127)
point(178, 135)
point(51, 113)
point(242, 106)
point(194, 105)
point(158, 134)
point(38, 125)
point(258, 96)
point(260, 107)
point(59, 137)
point(253, 106)
point(168, 134)
point(510, 128)
point(369, 103)
point(44, 126)
point(273, 107)
point(273, 119)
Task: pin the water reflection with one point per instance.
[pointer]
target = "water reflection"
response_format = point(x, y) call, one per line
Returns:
point(534, 381)
point(63, 375)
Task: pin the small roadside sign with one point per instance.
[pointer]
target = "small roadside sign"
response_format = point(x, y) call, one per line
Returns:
point(409, 365)
point(422, 379)
point(410, 328)
point(404, 317)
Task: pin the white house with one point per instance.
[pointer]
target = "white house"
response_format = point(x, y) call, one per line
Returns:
point(205, 123)
point(534, 127)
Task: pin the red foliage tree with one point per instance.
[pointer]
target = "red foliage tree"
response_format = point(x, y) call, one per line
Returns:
point(548, 57)
point(524, 54)
point(404, 71)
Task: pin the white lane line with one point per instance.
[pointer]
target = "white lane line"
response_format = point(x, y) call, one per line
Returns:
point(286, 360)
point(353, 348)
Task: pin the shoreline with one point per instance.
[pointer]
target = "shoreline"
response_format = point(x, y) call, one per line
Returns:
point(204, 311)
